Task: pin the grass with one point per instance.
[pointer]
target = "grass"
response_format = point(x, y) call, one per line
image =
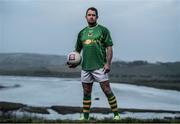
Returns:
point(10, 118)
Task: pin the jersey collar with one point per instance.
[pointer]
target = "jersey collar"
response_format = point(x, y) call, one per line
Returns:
point(93, 27)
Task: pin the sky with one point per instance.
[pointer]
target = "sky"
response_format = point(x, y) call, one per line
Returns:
point(146, 30)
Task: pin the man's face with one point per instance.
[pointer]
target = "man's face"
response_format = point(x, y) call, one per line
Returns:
point(91, 17)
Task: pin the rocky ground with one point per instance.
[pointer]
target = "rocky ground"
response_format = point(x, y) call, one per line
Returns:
point(7, 108)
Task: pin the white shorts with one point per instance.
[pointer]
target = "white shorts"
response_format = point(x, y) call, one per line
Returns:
point(94, 76)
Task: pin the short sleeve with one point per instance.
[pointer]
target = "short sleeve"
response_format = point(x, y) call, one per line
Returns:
point(107, 38)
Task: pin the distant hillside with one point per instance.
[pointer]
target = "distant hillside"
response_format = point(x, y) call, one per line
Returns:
point(22, 60)
point(161, 75)
point(143, 68)
point(35, 65)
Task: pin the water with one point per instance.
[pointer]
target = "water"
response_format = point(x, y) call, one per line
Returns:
point(47, 91)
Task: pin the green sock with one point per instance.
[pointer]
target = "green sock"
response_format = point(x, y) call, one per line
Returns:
point(86, 106)
point(86, 115)
point(113, 104)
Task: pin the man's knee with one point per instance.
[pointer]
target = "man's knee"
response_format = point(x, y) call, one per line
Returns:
point(87, 95)
point(106, 87)
point(108, 92)
point(87, 91)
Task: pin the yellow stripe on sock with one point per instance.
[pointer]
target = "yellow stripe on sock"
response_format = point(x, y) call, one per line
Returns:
point(84, 110)
point(112, 101)
point(115, 109)
point(87, 101)
point(111, 98)
point(113, 105)
point(86, 106)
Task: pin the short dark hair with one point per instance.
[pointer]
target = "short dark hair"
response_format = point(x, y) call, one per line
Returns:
point(93, 9)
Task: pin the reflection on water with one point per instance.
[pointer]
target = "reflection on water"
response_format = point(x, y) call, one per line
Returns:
point(46, 91)
point(139, 115)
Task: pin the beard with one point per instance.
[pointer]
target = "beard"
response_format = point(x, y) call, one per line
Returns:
point(91, 23)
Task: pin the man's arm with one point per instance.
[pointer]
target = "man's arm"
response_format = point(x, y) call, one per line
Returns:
point(78, 48)
point(109, 55)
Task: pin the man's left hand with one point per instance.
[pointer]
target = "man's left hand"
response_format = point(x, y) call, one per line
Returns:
point(106, 68)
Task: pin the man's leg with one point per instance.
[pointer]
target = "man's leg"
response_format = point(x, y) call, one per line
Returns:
point(110, 96)
point(87, 89)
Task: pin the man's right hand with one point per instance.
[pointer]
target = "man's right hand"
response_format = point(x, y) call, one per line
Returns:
point(71, 66)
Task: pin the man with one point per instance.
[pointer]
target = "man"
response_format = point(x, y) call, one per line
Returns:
point(96, 43)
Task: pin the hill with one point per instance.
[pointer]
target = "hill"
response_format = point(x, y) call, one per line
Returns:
point(160, 75)
point(35, 65)
point(20, 60)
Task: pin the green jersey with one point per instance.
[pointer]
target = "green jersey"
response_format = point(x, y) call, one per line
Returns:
point(93, 41)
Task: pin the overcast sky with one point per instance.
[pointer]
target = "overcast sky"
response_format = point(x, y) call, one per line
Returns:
point(141, 29)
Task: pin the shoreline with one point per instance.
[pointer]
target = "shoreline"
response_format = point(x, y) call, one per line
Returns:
point(12, 106)
point(159, 84)
point(20, 113)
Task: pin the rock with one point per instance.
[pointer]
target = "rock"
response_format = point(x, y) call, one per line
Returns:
point(39, 110)
point(96, 98)
point(9, 106)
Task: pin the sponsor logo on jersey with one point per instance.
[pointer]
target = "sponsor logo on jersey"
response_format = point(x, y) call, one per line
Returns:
point(88, 41)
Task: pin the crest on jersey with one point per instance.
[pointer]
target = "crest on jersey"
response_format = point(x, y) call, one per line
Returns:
point(90, 34)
